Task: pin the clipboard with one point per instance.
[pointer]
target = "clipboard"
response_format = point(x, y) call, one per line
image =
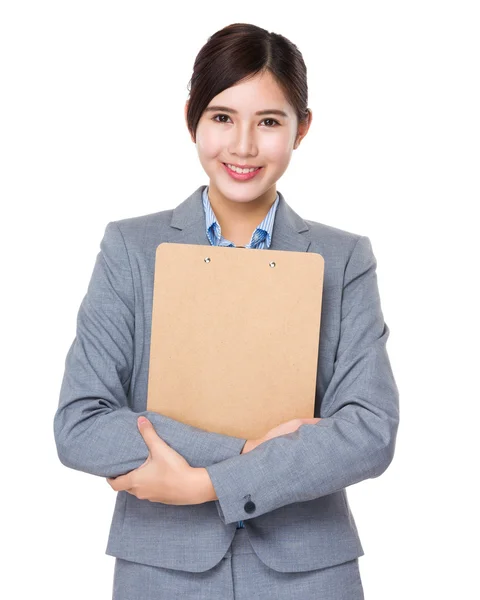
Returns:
point(235, 336)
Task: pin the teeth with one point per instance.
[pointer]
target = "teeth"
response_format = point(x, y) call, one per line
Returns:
point(237, 170)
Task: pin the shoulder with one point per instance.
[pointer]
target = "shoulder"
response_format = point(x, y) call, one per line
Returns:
point(321, 230)
point(142, 224)
point(139, 233)
point(340, 243)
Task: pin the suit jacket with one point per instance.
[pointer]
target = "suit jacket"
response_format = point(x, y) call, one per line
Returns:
point(289, 491)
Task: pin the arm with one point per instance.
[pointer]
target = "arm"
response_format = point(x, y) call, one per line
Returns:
point(95, 430)
point(355, 438)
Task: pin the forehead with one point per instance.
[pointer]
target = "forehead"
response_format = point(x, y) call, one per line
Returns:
point(254, 94)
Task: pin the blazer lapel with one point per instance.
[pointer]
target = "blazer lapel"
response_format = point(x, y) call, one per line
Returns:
point(188, 225)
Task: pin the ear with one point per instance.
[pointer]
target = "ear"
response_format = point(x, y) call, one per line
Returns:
point(303, 129)
point(185, 114)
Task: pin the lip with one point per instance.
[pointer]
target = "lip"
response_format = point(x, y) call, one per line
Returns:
point(243, 166)
point(242, 176)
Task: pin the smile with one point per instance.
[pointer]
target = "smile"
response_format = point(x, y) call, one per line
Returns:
point(241, 174)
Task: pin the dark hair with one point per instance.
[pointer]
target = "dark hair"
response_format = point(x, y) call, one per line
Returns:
point(241, 51)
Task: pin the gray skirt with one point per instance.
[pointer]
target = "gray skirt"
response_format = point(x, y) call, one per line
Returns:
point(240, 575)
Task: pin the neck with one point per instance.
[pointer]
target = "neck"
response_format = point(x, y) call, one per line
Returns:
point(240, 219)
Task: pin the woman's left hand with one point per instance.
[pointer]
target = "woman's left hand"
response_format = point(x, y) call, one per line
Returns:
point(164, 477)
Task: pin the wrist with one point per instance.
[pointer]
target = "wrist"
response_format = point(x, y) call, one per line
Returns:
point(201, 486)
point(251, 444)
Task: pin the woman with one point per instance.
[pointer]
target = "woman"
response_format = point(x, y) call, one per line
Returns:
point(204, 515)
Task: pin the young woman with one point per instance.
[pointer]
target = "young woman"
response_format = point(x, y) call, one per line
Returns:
point(203, 515)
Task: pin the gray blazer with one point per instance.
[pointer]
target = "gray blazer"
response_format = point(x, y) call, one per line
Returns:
point(290, 491)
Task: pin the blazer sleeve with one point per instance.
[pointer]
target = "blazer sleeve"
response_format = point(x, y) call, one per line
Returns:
point(355, 438)
point(95, 429)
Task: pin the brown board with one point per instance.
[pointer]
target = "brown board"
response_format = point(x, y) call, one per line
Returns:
point(235, 336)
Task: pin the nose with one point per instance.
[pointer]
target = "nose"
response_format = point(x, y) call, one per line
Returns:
point(244, 142)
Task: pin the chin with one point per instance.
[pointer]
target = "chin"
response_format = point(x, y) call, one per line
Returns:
point(241, 195)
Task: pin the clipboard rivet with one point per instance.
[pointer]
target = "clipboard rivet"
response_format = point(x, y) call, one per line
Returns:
point(272, 264)
point(207, 260)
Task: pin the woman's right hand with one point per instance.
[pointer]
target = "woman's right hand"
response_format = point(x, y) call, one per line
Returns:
point(282, 429)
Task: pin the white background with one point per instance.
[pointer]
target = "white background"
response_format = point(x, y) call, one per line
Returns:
point(92, 130)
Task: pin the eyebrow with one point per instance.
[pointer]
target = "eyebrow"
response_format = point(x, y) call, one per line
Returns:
point(270, 111)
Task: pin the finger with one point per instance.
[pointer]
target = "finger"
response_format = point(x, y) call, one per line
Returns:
point(150, 436)
point(147, 430)
point(123, 482)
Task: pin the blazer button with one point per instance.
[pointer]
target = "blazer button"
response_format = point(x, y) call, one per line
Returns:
point(250, 507)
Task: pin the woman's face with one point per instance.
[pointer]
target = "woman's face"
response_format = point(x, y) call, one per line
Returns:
point(240, 137)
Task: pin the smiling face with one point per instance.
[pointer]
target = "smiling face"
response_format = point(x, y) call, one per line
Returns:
point(241, 137)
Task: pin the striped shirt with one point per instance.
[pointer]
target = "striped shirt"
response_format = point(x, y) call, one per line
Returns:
point(261, 237)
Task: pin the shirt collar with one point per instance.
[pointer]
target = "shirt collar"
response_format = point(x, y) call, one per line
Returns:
point(213, 226)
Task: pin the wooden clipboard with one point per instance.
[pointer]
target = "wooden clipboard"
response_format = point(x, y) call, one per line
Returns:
point(235, 336)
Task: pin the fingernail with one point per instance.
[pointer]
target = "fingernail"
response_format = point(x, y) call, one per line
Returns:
point(141, 420)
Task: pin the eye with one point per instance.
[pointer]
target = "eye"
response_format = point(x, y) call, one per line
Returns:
point(214, 118)
point(272, 120)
